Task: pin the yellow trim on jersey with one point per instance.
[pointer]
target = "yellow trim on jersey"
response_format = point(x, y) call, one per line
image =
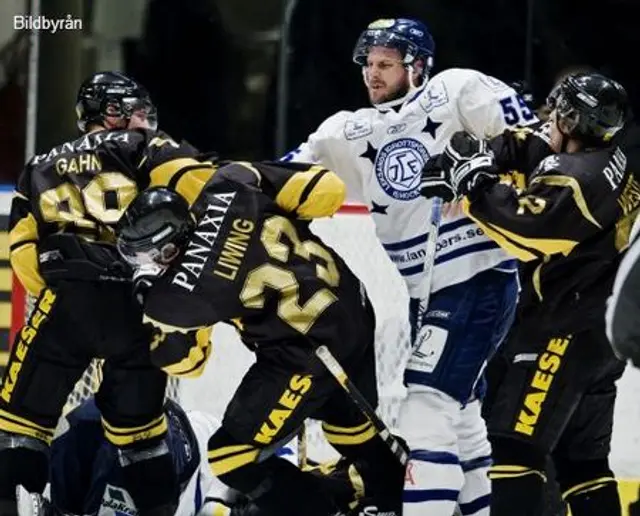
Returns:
point(325, 198)
point(192, 182)
point(357, 482)
point(513, 471)
point(288, 197)
point(585, 487)
point(24, 261)
point(536, 280)
point(193, 364)
point(517, 245)
point(168, 328)
point(221, 510)
point(349, 436)
point(228, 458)
point(125, 436)
point(24, 254)
point(515, 179)
point(26, 229)
point(249, 166)
point(162, 174)
point(576, 190)
point(18, 425)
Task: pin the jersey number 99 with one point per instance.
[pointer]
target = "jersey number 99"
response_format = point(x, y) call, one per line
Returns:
point(102, 200)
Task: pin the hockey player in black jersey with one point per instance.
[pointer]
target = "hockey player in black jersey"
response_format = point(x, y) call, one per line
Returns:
point(63, 251)
point(569, 225)
point(245, 255)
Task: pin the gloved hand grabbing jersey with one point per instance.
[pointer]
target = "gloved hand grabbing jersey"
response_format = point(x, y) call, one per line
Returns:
point(465, 164)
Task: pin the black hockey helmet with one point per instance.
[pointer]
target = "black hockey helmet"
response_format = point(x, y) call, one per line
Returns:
point(112, 94)
point(589, 107)
point(154, 227)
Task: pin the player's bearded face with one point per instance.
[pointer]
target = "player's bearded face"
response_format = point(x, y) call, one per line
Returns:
point(385, 75)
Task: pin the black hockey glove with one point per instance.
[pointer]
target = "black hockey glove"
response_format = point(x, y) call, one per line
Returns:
point(466, 164)
point(64, 256)
point(435, 182)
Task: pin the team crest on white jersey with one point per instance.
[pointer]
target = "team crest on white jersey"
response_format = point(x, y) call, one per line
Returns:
point(398, 167)
point(356, 129)
point(434, 96)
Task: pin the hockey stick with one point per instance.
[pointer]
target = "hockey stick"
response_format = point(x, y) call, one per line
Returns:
point(429, 260)
point(303, 458)
point(336, 370)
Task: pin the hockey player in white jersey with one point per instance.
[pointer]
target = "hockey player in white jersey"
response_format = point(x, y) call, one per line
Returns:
point(85, 476)
point(379, 153)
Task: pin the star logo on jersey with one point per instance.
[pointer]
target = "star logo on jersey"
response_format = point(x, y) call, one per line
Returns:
point(370, 153)
point(379, 208)
point(398, 166)
point(431, 127)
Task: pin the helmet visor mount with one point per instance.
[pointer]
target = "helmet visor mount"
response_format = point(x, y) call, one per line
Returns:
point(126, 107)
point(140, 256)
point(567, 116)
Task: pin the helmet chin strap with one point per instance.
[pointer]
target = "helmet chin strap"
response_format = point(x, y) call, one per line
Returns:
point(393, 103)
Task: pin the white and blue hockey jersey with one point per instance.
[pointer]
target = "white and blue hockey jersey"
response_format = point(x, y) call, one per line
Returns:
point(380, 153)
point(81, 453)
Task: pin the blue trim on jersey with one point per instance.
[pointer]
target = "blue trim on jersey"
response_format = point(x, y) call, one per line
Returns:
point(429, 495)
point(418, 93)
point(290, 155)
point(198, 500)
point(473, 248)
point(452, 226)
point(477, 463)
point(476, 505)
point(410, 271)
point(7, 188)
point(435, 457)
point(510, 265)
point(406, 244)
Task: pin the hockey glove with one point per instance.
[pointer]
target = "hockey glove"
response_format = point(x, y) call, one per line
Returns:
point(469, 162)
point(466, 165)
point(435, 181)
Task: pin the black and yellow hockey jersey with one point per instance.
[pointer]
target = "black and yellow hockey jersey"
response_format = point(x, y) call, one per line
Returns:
point(84, 186)
point(568, 225)
point(253, 260)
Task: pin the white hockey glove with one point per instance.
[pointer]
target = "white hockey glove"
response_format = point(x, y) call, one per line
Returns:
point(466, 164)
point(32, 504)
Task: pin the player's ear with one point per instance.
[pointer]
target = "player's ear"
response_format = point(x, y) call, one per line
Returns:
point(418, 70)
